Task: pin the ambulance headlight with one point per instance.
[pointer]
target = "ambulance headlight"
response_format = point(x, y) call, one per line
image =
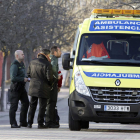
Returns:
point(80, 85)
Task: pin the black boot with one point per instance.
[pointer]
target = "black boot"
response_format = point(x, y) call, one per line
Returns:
point(23, 125)
point(54, 125)
point(15, 126)
point(42, 126)
point(57, 123)
point(29, 125)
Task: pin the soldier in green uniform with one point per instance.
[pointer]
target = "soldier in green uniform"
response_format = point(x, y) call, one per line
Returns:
point(50, 113)
point(18, 92)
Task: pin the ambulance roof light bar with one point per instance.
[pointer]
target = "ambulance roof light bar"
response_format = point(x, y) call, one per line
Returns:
point(119, 12)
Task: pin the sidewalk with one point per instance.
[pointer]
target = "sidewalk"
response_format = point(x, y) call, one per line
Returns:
point(64, 92)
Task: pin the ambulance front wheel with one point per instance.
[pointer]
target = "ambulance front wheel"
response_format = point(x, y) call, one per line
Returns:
point(74, 125)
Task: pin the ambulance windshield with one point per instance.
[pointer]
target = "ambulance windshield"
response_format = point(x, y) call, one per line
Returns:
point(116, 49)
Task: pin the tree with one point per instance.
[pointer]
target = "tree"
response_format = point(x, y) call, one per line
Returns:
point(29, 24)
point(6, 41)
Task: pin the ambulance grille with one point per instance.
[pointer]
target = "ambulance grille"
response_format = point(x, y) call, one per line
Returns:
point(115, 95)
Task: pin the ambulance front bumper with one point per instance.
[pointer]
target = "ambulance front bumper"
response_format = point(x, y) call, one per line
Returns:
point(85, 108)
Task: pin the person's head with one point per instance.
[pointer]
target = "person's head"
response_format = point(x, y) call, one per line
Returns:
point(56, 51)
point(19, 55)
point(45, 51)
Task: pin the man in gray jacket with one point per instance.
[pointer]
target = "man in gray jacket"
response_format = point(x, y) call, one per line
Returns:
point(50, 114)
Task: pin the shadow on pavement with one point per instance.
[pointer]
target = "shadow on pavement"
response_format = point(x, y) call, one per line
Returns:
point(112, 130)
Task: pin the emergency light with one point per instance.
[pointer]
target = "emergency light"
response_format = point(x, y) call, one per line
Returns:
point(116, 12)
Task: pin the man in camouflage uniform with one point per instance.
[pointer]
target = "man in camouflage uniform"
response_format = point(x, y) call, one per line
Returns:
point(50, 114)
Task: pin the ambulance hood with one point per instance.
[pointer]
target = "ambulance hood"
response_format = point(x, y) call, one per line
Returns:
point(111, 76)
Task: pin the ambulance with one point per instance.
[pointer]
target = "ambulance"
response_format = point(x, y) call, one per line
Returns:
point(104, 69)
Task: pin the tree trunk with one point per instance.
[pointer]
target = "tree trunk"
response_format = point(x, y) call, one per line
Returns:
point(12, 56)
point(29, 58)
point(25, 58)
point(3, 82)
point(30, 53)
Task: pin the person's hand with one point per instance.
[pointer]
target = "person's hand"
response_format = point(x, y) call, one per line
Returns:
point(59, 77)
point(58, 89)
point(25, 79)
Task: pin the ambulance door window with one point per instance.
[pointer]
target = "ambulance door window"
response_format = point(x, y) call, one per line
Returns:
point(75, 43)
point(83, 46)
point(72, 54)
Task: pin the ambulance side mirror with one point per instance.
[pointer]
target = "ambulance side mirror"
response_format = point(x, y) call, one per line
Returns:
point(66, 61)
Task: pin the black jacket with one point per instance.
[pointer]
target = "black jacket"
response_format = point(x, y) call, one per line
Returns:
point(40, 72)
point(17, 75)
point(17, 72)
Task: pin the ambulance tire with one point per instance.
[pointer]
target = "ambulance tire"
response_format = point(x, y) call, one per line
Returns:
point(74, 125)
point(84, 124)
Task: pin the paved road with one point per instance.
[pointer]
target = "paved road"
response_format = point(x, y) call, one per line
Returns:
point(97, 131)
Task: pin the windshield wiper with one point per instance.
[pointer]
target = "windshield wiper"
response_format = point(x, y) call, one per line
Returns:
point(130, 63)
point(114, 63)
point(97, 62)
